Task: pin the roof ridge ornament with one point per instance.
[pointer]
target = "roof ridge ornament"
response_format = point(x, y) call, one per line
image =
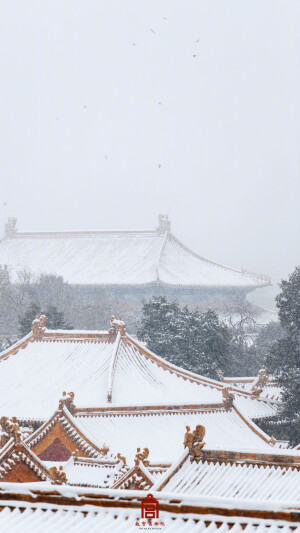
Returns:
point(4, 275)
point(117, 325)
point(38, 327)
point(228, 397)
point(260, 382)
point(9, 429)
point(122, 458)
point(142, 457)
point(164, 224)
point(10, 227)
point(221, 374)
point(67, 401)
point(57, 476)
point(194, 442)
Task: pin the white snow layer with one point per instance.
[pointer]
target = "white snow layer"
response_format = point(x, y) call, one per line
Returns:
point(118, 258)
point(33, 379)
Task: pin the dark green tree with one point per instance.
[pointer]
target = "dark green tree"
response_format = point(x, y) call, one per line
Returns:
point(160, 325)
point(25, 321)
point(250, 352)
point(284, 357)
point(264, 343)
point(194, 340)
point(204, 344)
point(55, 318)
point(242, 319)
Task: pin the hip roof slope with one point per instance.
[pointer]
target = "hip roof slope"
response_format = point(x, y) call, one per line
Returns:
point(119, 258)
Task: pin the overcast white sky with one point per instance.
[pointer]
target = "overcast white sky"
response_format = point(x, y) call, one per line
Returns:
point(87, 118)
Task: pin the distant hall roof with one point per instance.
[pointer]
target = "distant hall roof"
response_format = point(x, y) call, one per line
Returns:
point(118, 258)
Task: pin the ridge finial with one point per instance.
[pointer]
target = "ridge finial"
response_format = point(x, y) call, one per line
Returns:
point(164, 224)
point(116, 325)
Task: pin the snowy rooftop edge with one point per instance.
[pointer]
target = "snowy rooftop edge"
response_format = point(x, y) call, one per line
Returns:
point(81, 493)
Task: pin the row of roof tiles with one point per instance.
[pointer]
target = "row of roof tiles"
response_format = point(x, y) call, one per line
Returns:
point(55, 508)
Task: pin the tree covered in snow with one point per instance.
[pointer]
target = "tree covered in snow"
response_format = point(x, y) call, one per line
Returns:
point(195, 340)
point(264, 342)
point(84, 307)
point(250, 352)
point(250, 340)
point(203, 343)
point(284, 358)
point(33, 294)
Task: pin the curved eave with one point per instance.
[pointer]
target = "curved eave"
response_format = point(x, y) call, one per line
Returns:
point(205, 259)
point(186, 374)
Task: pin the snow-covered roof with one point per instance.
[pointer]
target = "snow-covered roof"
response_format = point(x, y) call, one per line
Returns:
point(162, 432)
point(243, 476)
point(119, 258)
point(89, 473)
point(58, 508)
point(102, 370)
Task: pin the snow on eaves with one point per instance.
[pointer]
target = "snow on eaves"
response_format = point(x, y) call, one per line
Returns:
point(115, 510)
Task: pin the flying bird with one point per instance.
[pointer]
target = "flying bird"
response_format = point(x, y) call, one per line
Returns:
point(152, 30)
point(198, 41)
point(195, 55)
point(85, 107)
point(159, 166)
point(133, 44)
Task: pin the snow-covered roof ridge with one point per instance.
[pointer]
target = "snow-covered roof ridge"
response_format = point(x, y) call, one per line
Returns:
point(138, 475)
point(20, 344)
point(150, 408)
point(120, 258)
point(263, 385)
point(257, 430)
point(14, 453)
point(175, 467)
point(112, 367)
